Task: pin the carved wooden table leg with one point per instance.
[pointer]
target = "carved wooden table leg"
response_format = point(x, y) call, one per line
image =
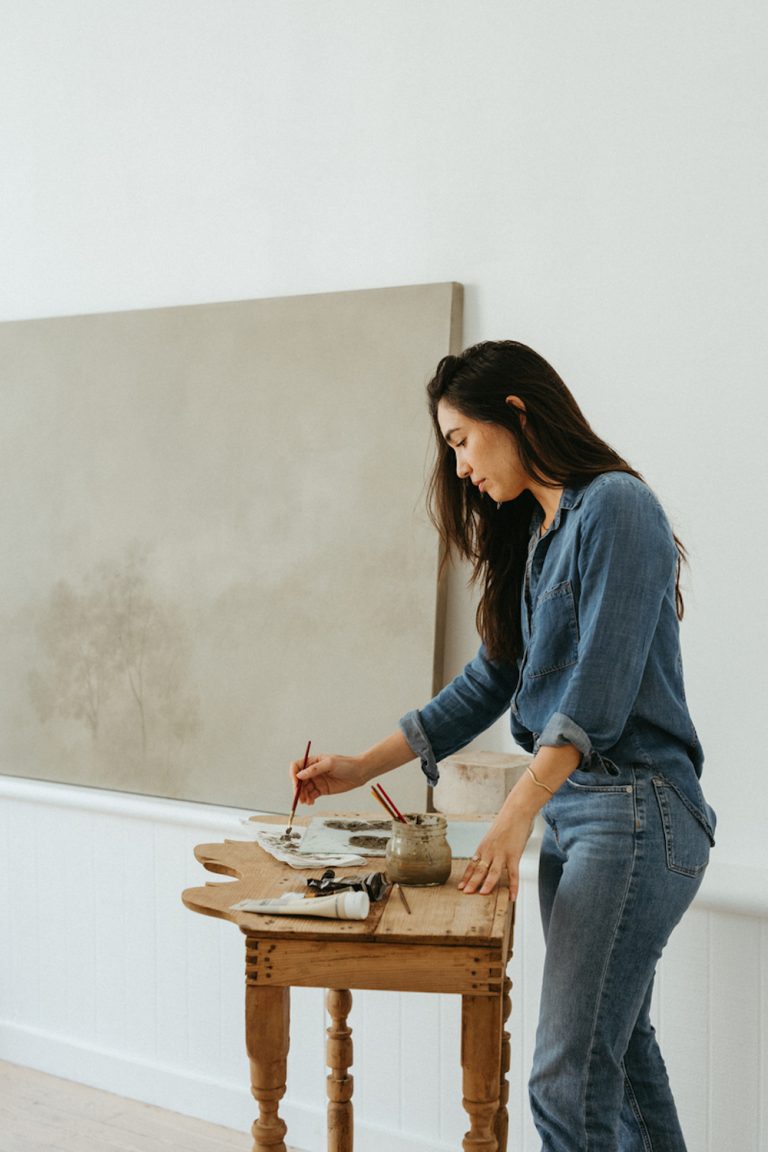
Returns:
point(267, 1020)
point(502, 1116)
point(339, 1083)
point(481, 1063)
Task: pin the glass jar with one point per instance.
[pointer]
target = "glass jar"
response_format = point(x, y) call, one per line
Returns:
point(418, 852)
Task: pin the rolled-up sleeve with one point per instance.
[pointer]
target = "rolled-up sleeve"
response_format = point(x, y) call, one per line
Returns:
point(462, 710)
point(627, 564)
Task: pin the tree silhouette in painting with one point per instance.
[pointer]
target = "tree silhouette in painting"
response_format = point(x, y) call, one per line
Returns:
point(81, 666)
point(117, 661)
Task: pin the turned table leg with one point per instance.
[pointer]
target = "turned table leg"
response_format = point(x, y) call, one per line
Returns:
point(501, 1126)
point(339, 1082)
point(481, 1067)
point(267, 1018)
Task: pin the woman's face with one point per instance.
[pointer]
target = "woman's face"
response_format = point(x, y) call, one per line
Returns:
point(486, 454)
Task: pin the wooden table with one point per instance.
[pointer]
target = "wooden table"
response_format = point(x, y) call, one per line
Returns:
point(449, 943)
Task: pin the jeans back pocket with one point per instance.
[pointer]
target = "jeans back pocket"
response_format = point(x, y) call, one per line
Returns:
point(687, 832)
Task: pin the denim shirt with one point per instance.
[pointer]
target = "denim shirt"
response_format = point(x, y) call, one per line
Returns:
point(601, 667)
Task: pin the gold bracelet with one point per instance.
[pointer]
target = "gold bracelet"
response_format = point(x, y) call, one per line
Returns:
point(538, 783)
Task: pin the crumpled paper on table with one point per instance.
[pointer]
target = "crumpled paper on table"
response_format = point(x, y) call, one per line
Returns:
point(270, 838)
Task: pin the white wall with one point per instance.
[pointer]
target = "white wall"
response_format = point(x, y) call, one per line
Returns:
point(594, 173)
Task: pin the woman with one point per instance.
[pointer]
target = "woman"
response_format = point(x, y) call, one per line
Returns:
point(579, 621)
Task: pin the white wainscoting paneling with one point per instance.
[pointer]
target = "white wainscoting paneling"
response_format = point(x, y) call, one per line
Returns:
point(107, 979)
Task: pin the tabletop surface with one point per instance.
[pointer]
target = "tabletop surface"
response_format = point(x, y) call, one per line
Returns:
point(439, 915)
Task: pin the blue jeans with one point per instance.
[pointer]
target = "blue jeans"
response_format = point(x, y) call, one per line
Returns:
point(622, 857)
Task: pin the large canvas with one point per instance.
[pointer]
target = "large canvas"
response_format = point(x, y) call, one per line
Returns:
point(216, 545)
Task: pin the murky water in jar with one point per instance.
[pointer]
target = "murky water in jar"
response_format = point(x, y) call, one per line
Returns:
point(417, 852)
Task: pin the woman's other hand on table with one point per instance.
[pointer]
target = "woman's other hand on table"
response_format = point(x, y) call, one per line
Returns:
point(498, 857)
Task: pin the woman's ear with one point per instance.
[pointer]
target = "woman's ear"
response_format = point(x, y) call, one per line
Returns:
point(516, 402)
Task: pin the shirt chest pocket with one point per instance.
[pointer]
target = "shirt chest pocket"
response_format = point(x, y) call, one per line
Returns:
point(554, 642)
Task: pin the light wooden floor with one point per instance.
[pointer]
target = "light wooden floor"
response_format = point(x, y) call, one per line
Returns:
point(40, 1113)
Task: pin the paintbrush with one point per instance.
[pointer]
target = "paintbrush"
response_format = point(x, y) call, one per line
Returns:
point(383, 803)
point(389, 803)
point(287, 834)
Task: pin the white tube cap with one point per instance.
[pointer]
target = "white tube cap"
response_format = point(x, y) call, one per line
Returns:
point(354, 905)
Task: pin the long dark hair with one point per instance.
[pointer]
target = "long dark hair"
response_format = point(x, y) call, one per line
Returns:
point(557, 448)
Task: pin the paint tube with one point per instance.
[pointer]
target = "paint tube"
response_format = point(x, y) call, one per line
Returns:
point(339, 906)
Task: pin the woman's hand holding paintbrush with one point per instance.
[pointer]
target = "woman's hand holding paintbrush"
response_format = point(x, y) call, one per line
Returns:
point(328, 775)
point(325, 775)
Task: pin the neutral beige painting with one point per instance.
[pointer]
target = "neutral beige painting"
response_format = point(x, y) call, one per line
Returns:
point(216, 546)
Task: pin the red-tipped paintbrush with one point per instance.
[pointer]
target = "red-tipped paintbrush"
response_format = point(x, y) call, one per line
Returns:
point(394, 808)
point(388, 803)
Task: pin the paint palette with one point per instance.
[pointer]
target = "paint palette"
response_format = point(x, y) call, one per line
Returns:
point(368, 837)
point(340, 834)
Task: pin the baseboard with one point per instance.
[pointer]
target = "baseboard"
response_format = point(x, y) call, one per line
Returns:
point(217, 1101)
